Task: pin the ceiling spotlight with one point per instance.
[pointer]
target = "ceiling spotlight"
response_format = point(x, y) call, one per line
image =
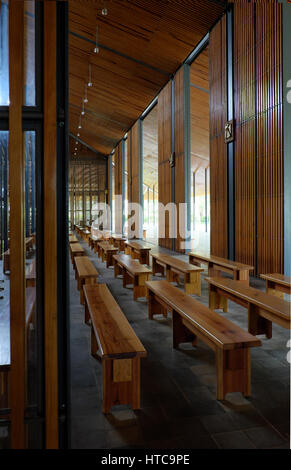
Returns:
point(104, 10)
point(86, 97)
point(90, 77)
point(83, 110)
point(78, 134)
point(96, 48)
point(75, 153)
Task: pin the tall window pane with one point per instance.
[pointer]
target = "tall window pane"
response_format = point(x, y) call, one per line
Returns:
point(4, 62)
point(29, 54)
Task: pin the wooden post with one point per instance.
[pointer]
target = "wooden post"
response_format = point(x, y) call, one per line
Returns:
point(50, 225)
point(17, 225)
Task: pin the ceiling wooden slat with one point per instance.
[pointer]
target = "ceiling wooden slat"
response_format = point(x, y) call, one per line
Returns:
point(143, 43)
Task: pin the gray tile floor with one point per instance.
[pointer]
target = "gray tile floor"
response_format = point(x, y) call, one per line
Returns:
point(178, 404)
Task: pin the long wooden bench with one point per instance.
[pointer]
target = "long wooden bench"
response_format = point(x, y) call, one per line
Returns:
point(107, 252)
point(118, 241)
point(30, 299)
point(86, 274)
point(263, 309)
point(138, 250)
point(99, 245)
point(30, 274)
point(93, 242)
point(76, 250)
point(239, 271)
point(29, 242)
point(277, 284)
point(133, 273)
point(175, 268)
point(73, 239)
point(85, 234)
point(118, 346)
point(192, 320)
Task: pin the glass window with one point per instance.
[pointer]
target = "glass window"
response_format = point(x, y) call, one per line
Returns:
point(4, 56)
point(150, 175)
point(29, 54)
point(199, 108)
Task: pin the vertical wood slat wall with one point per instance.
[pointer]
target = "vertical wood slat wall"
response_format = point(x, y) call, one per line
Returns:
point(245, 141)
point(258, 144)
point(164, 153)
point(269, 138)
point(50, 224)
point(218, 149)
point(17, 226)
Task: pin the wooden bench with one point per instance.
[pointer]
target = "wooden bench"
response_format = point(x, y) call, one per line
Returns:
point(99, 245)
point(118, 241)
point(93, 242)
point(133, 273)
point(118, 346)
point(277, 284)
point(30, 299)
point(76, 250)
point(29, 242)
point(30, 274)
point(138, 250)
point(73, 239)
point(263, 309)
point(86, 274)
point(192, 320)
point(85, 234)
point(107, 252)
point(175, 268)
point(239, 271)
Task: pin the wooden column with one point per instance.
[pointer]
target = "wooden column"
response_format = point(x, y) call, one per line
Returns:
point(17, 225)
point(50, 225)
point(118, 188)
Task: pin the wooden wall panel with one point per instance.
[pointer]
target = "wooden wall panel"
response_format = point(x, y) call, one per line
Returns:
point(50, 224)
point(164, 148)
point(269, 150)
point(245, 148)
point(218, 150)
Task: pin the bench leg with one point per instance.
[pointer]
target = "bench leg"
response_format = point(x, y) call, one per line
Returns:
point(216, 301)
point(117, 269)
point(181, 334)
point(121, 383)
point(154, 307)
point(127, 250)
point(94, 344)
point(192, 283)
point(127, 279)
point(157, 268)
point(87, 315)
point(139, 288)
point(270, 289)
point(258, 325)
point(233, 372)
point(242, 275)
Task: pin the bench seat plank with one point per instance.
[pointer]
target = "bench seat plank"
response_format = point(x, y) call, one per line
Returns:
point(175, 268)
point(86, 274)
point(132, 272)
point(138, 250)
point(192, 320)
point(259, 304)
point(277, 284)
point(216, 264)
point(119, 347)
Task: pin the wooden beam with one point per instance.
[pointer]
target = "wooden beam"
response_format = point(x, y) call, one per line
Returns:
point(50, 224)
point(17, 222)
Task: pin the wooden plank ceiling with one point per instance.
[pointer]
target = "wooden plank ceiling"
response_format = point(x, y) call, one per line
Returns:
point(141, 43)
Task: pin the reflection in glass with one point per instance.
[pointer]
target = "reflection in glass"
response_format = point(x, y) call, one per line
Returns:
point(4, 291)
point(29, 54)
point(4, 56)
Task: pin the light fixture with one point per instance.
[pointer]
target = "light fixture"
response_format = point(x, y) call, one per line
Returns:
point(78, 134)
point(104, 9)
point(75, 153)
point(90, 77)
point(80, 124)
point(83, 110)
point(96, 48)
point(86, 97)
